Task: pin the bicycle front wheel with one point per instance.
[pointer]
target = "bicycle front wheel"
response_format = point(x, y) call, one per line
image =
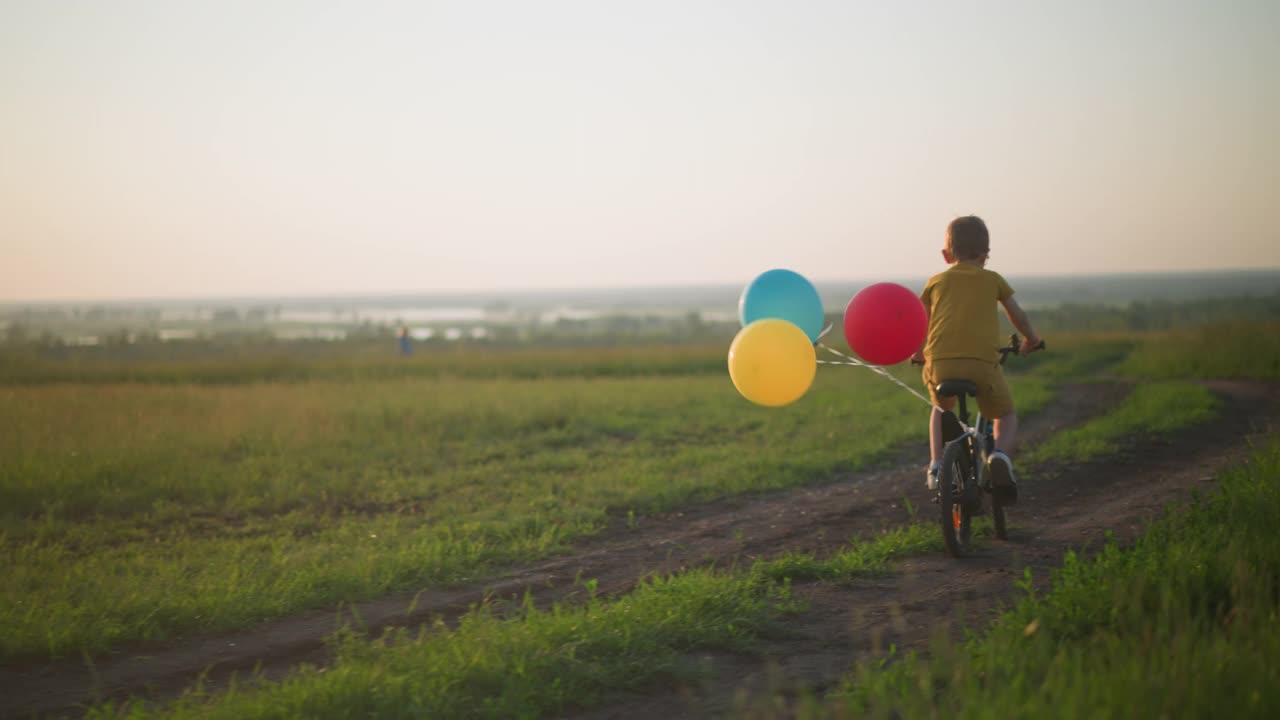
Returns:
point(956, 514)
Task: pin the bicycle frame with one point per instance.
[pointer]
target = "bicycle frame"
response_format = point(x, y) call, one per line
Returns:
point(961, 481)
point(983, 429)
point(982, 432)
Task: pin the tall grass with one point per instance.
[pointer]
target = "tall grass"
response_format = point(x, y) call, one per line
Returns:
point(148, 454)
point(1186, 624)
point(175, 504)
point(538, 663)
point(1150, 409)
point(535, 663)
point(141, 511)
point(1078, 357)
point(1227, 350)
point(1190, 614)
point(207, 363)
point(531, 665)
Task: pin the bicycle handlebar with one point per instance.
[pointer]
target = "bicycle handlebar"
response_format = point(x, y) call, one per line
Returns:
point(1014, 346)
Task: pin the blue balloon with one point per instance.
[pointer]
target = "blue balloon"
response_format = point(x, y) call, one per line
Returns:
point(782, 294)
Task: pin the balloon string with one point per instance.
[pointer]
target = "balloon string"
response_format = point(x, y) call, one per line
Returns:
point(854, 362)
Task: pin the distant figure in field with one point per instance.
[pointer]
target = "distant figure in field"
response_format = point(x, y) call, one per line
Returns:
point(406, 346)
point(963, 340)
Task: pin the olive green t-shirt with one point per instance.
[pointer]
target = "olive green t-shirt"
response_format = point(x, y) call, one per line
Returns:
point(962, 313)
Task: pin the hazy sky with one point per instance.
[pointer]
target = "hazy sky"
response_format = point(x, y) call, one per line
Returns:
point(173, 148)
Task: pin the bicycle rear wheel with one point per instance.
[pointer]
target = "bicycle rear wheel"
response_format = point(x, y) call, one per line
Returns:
point(956, 514)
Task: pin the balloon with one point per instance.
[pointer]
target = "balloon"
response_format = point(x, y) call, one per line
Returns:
point(885, 323)
point(772, 362)
point(782, 294)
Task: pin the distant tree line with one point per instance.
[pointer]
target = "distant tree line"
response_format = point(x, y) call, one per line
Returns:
point(230, 328)
point(1156, 315)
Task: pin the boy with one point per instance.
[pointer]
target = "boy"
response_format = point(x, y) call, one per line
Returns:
point(962, 343)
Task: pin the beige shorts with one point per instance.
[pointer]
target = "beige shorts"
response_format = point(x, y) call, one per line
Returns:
point(994, 398)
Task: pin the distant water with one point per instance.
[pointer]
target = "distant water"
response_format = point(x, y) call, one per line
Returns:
point(460, 314)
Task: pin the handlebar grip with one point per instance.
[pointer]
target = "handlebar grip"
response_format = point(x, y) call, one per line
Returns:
point(1041, 346)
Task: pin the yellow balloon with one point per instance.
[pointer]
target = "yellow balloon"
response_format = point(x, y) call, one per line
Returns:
point(772, 362)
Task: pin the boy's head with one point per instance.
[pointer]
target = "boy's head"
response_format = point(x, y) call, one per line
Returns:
point(967, 239)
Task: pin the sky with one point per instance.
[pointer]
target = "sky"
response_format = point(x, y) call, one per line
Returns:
point(175, 148)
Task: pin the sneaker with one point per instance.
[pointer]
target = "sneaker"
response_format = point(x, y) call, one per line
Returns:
point(931, 476)
point(1001, 478)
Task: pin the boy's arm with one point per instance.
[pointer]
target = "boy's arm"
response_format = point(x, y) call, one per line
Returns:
point(1018, 318)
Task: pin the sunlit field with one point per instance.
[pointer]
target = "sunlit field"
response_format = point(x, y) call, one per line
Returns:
point(134, 511)
point(1185, 624)
point(528, 361)
point(183, 496)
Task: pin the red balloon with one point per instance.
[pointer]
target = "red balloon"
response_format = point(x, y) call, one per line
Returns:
point(885, 323)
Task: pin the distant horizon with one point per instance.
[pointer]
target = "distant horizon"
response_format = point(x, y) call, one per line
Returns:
point(499, 292)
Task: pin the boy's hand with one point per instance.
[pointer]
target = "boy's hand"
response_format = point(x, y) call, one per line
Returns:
point(917, 358)
point(1030, 345)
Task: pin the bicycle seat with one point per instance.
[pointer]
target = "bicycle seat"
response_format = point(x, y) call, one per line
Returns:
point(957, 388)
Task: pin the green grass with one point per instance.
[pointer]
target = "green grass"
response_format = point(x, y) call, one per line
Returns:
point(531, 665)
point(607, 445)
point(230, 363)
point(1185, 624)
point(1229, 350)
point(1076, 358)
point(539, 663)
point(178, 505)
point(534, 663)
point(1150, 409)
point(860, 559)
point(148, 511)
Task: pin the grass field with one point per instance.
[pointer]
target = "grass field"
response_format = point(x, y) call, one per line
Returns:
point(533, 662)
point(1225, 350)
point(207, 363)
point(1151, 409)
point(1185, 624)
point(190, 496)
point(137, 511)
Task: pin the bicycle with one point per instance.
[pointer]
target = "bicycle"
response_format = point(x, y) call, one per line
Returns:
point(965, 452)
